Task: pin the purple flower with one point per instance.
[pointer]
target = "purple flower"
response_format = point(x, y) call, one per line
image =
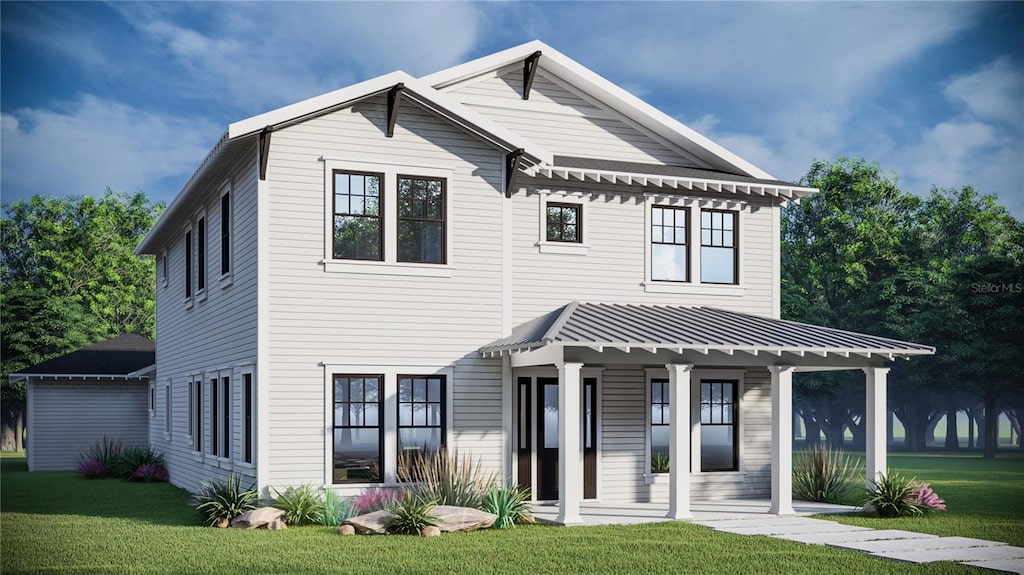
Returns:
point(92, 469)
point(375, 500)
point(925, 498)
point(150, 472)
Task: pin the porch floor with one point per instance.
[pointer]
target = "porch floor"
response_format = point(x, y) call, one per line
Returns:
point(596, 513)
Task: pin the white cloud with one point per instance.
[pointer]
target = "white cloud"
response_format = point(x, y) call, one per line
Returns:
point(994, 92)
point(92, 144)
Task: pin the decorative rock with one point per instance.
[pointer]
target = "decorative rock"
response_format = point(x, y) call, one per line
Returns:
point(430, 531)
point(257, 518)
point(526, 519)
point(277, 525)
point(222, 523)
point(375, 523)
point(346, 530)
point(451, 519)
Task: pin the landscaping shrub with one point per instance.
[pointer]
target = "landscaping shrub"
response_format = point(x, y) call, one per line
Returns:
point(302, 505)
point(927, 499)
point(224, 499)
point(92, 469)
point(411, 515)
point(335, 509)
point(892, 495)
point(508, 503)
point(375, 499)
point(824, 475)
point(660, 463)
point(107, 451)
point(134, 457)
point(150, 472)
point(447, 478)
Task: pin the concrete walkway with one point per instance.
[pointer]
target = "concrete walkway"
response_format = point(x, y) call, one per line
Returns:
point(884, 543)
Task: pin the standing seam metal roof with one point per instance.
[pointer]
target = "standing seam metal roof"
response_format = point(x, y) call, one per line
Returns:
point(688, 327)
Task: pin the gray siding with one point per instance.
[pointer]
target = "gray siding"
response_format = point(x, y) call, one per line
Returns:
point(319, 317)
point(67, 416)
point(216, 333)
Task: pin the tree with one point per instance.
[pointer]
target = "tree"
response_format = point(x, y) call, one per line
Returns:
point(70, 277)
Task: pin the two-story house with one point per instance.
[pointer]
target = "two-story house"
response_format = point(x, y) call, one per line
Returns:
point(470, 260)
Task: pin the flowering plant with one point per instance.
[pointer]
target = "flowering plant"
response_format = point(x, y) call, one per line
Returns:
point(926, 498)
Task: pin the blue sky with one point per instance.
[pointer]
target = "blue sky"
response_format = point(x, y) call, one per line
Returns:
point(131, 95)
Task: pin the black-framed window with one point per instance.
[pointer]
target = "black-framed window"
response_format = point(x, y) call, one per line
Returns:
point(421, 219)
point(670, 250)
point(196, 413)
point(358, 429)
point(168, 402)
point(719, 446)
point(719, 252)
point(188, 264)
point(564, 222)
point(201, 254)
point(247, 433)
point(358, 225)
point(225, 233)
point(421, 416)
point(225, 417)
point(215, 430)
point(659, 425)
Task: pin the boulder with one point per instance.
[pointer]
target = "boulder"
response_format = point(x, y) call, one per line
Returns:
point(346, 530)
point(526, 519)
point(257, 518)
point(375, 523)
point(222, 523)
point(277, 525)
point(430, 531)
point(451, 519)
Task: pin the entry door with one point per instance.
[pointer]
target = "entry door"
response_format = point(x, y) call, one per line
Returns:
point(547, 438)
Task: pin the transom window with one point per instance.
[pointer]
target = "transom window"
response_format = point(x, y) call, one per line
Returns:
point(670, 259)
point(719, 237)
point(358, 433)
point(358, 228)
point(564, 223)
point(718, 426)
point(421, 223)
point(659, 425)
point(421, 418)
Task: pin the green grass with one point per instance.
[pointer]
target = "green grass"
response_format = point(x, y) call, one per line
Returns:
point(57, 522)
point(984, 497)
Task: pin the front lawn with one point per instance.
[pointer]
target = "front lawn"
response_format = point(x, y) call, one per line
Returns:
point(57, 522)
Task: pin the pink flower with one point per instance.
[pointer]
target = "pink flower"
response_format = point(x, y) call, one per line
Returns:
point(92, 469)
point(924, 497)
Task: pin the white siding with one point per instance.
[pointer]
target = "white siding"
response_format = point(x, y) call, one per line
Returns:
point(558, 118)
point(216, 333)
point(319, 317)
point(68, 416)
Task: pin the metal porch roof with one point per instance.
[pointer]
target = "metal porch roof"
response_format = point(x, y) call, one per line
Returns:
point(691, 328)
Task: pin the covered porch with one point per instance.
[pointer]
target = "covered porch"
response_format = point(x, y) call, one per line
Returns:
point(579, 339)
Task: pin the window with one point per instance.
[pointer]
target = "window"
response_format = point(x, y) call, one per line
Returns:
point(358, 433)
point(215, 430)
point(421, 212)
point(659, 425)
point(421, 417)
point(358, 229)
point(719, 236)
point(195, 413)
point(247, 433)
point(167, 409)
point(718, 446)
point(188, 264)
point(201, 254)
point(670, 259)
point(225, 416)
point(564, 223)
point(152, 399)
point(225, 233)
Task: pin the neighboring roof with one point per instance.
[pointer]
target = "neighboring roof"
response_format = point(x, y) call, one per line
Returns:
point(605, 91)
point(121, 356)
point(691, 328)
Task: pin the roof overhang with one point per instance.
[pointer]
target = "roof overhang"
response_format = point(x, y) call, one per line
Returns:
point(16, 377)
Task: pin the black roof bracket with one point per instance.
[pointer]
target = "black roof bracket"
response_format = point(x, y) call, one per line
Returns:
point(529, 71)
point(394, 99)
point(513, 160)
point(264, 151)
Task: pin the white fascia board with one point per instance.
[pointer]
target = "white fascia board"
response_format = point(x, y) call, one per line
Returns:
point(316, 103)
point(479, 66)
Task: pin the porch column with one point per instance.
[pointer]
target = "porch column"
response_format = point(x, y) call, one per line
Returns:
point(874, 422)
point(782, 440)
point(570, 452)
point(679, 440)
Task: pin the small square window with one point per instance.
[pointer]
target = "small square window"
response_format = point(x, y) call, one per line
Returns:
point(564, 223)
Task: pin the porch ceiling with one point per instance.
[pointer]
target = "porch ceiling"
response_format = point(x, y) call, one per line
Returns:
point(661, 329)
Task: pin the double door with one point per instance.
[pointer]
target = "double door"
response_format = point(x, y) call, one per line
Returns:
point(537, 438)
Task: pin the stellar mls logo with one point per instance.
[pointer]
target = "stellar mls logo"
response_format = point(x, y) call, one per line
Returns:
point(997, 288)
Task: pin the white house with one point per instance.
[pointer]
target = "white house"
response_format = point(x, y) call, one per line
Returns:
point(467, 259)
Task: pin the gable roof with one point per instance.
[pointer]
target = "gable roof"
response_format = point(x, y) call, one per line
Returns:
point(691, 328)
point(123, 356)
point(610, 94)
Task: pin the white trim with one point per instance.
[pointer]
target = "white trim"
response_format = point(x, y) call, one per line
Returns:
point(563, 197)
point(598, 374)
point(243, 370)
point(168, 410)
point(776, 212)
point(263, 363)
point(30, 415)
point(228, 188)
point(164, 267)
point(152, 400)
point(390, 265)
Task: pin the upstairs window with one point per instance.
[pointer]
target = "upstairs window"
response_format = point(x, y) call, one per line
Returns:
point(225, 234)
point(719, 238)
point(421, 225)
point(564, 223)
point(358, 227)
point(201, 253)
point(670, 255)
point(188, 264)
